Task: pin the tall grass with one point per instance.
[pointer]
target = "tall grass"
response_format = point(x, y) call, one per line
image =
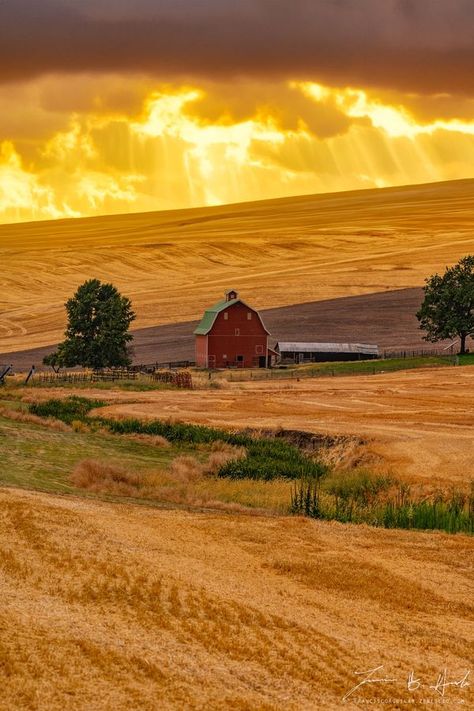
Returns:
point(266, 459)
point(368, 501)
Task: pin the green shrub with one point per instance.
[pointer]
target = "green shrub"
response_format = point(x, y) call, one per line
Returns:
point(67, 410)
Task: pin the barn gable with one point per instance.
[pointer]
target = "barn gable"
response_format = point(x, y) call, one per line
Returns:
point(211, 314)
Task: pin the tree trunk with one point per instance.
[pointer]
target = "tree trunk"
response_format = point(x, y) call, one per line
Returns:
point(463, 343)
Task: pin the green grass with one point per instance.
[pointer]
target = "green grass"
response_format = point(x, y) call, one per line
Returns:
point(467, 359)
point(67, 410)
point(37, 457)
point(363, 367)
point(377, 366)
point(40, 457)
point(139, 385)
point(266, 459)
point(371, 500)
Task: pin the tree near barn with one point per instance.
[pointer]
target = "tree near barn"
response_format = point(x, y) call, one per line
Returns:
point(448, 307)
point(97, 333)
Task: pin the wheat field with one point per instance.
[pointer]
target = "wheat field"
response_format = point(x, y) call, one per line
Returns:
point(277, 252)
point(124, 607)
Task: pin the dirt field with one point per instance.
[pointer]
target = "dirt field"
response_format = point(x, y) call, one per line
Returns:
point(278, 252)
point(123, 607)
point(420, 422)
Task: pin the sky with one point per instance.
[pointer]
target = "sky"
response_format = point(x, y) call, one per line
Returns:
point(116, 106)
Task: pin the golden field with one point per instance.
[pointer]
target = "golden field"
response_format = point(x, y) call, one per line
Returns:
point(125, 607)
point(277, 252)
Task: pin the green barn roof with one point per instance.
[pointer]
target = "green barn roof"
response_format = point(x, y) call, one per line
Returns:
point(211, 314)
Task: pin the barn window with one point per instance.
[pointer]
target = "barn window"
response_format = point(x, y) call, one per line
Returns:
point(226, 315)
point(258, 350)
point(237, 331)
point(249, 315)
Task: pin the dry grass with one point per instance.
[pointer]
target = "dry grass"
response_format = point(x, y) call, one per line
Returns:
point(277, 252)
point(121, 607)
point(106, 478)
point(189, 480)
point(349, 453)
point(50, 422)
point(153, 440)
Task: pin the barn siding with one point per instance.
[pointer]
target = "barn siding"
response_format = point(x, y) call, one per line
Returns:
point(233, 336)
point(201, 351)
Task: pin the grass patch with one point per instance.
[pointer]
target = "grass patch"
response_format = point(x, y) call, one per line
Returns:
point(266, 459)
point(371, 500)
point(138, 385)
point(363, 367)
point(135, 468)
point(467, 359)
point(35, 456)
point(63, 450)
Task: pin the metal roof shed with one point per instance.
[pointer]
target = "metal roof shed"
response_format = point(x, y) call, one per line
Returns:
point(300, 352)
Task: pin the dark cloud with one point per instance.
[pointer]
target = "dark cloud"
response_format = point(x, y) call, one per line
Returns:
point(409, 45)
point(288, 108)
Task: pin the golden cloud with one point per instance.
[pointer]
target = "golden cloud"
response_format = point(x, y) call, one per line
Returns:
point(209, 143)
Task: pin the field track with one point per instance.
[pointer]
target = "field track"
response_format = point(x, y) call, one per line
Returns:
point(277, 253)
point(127, 607)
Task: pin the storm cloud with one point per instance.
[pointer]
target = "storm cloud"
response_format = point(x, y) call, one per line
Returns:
point(424, 46)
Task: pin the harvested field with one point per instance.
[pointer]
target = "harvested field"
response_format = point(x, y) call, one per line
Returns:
point(123, 607)
point(277, 252)
point(420, 421)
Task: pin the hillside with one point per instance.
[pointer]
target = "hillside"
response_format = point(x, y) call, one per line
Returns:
point(129, 607)
point(277, 253)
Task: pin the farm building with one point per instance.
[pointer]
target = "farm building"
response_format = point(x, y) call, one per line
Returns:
point(232, 334)
point(292, 352)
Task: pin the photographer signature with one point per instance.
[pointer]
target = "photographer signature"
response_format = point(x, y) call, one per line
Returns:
point(412, 683)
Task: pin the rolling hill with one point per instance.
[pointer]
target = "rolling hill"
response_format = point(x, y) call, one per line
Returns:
point(277, 253)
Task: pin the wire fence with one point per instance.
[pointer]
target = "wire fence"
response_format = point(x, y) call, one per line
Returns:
point(374, 367)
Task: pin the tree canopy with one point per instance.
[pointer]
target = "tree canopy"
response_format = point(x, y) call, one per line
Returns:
point(97, 330)
point(447, 310)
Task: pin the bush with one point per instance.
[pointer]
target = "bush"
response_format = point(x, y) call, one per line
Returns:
point(105, 478)
point(68, 410)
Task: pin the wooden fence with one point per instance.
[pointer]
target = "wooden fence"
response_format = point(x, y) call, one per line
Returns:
point(108, 375)
point(150, 368)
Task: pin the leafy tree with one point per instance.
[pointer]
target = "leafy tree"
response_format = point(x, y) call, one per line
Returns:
point(448, 307)
point(97, 332)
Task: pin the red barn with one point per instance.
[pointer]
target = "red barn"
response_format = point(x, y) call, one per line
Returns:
point(232, 333)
